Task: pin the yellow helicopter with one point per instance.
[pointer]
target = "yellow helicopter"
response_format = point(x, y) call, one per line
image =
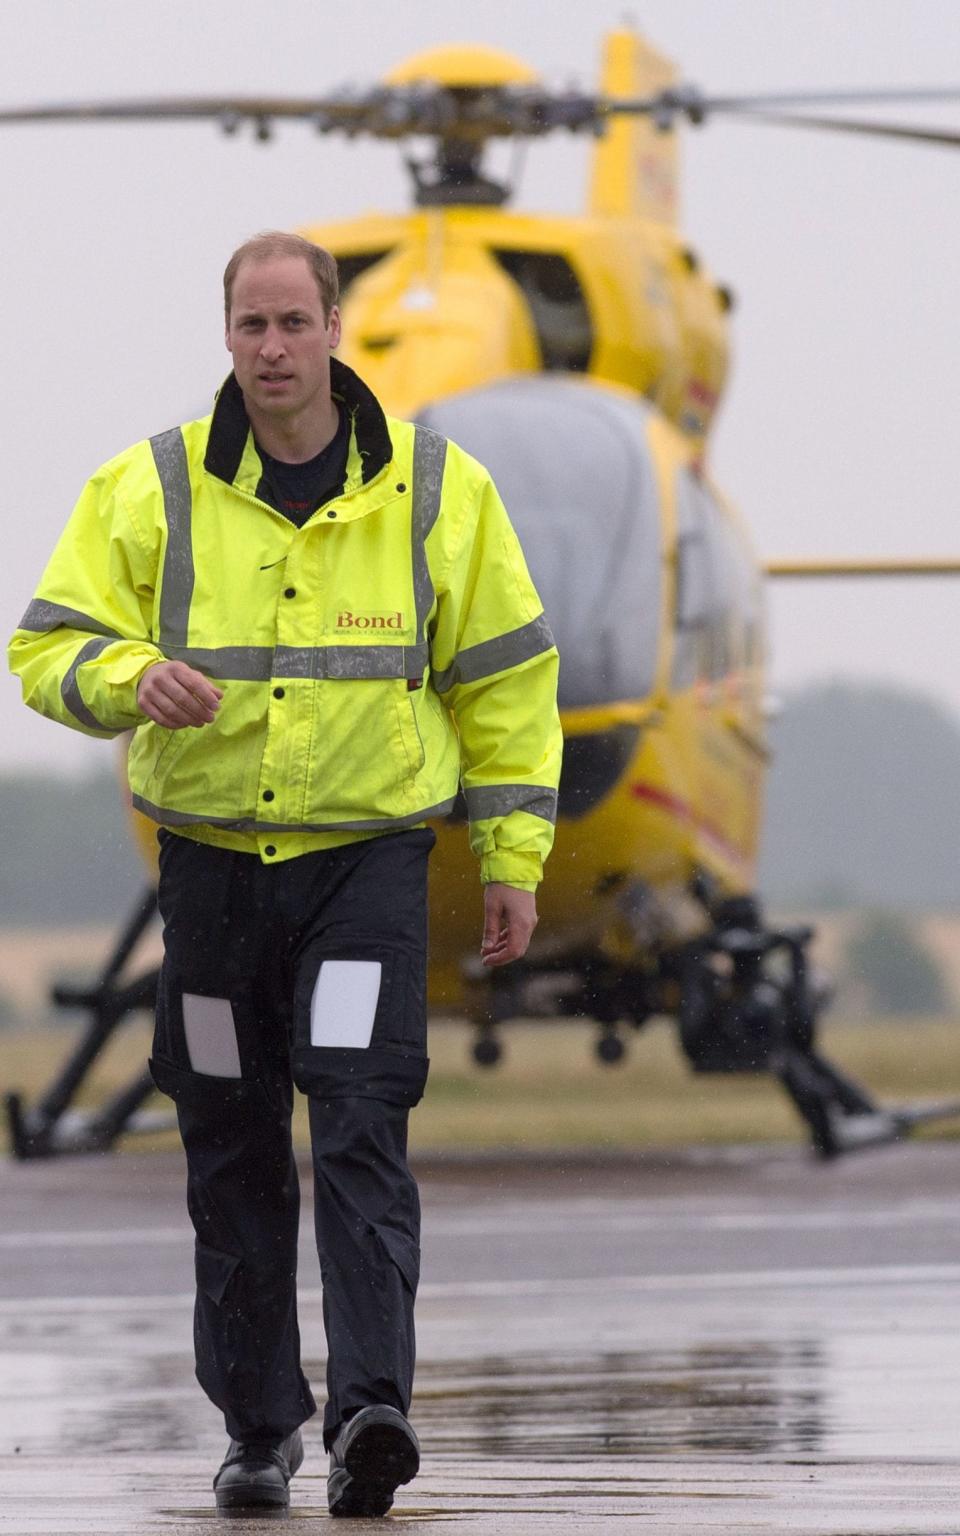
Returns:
point(582, 359)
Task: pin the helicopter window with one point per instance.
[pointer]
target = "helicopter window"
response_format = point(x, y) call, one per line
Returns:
point(572, 465)
point(748, 614)
point(753, 641)
point(557, 307)
point(717, 627)
point(349, 268)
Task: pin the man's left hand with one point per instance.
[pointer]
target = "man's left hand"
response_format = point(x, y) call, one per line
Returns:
point(509, 918)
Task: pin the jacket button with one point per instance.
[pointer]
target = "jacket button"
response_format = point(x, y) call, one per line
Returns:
point(289, 591)
point(331, 513)
point(268, 794)
point(278, 693)
point(401, 487)
point(269, 850)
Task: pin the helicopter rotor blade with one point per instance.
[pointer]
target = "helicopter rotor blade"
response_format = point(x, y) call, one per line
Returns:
point(163, 109)
point(386, 112)
point(471, 116)
point(833, 98)
point(688, 102)
point(948, 138)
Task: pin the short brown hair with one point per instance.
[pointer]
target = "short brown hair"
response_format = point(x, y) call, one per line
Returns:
point(278, 242)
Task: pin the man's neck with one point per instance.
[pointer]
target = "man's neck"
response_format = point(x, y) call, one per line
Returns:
point(296, 439)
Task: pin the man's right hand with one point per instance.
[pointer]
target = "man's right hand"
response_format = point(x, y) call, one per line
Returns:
point(174, 695)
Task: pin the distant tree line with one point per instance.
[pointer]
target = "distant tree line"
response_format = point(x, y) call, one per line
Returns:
point(863, 802)
point(887, 961)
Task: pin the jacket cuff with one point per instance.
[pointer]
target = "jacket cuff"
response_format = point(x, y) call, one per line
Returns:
point(121, 682)
point(512, 867)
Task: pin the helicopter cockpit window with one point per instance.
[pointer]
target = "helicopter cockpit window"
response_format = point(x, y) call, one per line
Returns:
point(557, 307)
point(572, 465)
point(349, 268)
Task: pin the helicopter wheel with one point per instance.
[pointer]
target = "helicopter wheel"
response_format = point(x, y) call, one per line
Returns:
point(610, 1048)
point(486, 1049)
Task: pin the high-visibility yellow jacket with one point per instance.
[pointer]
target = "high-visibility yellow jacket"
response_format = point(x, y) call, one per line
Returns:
point(390, 647)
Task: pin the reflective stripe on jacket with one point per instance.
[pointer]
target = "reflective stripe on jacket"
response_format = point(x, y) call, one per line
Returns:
point(390, 647)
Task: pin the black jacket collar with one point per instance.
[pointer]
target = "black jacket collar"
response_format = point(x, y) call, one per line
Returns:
point(230, 424)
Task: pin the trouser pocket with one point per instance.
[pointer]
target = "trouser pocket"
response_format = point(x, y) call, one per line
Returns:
point(215, 1270)
point(330, 1072)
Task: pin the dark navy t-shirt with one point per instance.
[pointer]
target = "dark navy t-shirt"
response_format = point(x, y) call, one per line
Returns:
point(297, 490)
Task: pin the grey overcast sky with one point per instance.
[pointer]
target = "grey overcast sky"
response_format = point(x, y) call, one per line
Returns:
point(838, 432)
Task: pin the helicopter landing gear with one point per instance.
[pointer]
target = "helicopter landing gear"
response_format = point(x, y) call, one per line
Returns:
point(505, 1001)
point(582, 988)
point(745, 1001)
point(748, 1003)
point(486, 1050)
point(610, 1046)
point(50, 1126)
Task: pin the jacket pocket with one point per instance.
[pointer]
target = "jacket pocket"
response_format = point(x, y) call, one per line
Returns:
point(153, 752)
point(366, 752)
point(410, 733)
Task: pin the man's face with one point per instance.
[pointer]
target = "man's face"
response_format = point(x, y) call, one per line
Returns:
point(279, 337)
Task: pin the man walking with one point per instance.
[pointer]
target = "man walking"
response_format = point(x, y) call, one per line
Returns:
point(317, 621)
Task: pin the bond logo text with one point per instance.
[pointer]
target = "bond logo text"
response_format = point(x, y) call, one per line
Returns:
point(348, 620)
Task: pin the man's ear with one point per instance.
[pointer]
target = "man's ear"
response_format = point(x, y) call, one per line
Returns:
point(333, 326)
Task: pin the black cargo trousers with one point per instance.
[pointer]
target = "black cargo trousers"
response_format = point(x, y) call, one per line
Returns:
point(264, 966)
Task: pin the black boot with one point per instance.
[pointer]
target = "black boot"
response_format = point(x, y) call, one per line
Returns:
point(373, 1454)
point(256, 1473)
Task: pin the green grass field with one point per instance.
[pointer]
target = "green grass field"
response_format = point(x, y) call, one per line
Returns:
point(550, 1092)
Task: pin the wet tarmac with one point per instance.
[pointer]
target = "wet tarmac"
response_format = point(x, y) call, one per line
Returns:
point(728, 1341)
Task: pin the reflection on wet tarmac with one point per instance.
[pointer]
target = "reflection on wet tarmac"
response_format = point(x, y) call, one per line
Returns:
point(722, 1355)
point(751, 1398)
point(756, 1398)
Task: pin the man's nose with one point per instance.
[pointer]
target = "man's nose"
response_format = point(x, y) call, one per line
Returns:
point(271, 345)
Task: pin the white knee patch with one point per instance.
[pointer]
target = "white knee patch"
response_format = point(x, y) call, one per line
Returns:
point(211, 1036)
point(344, 1003)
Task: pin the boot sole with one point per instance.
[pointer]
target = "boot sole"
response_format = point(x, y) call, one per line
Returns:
point(376, 1463)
